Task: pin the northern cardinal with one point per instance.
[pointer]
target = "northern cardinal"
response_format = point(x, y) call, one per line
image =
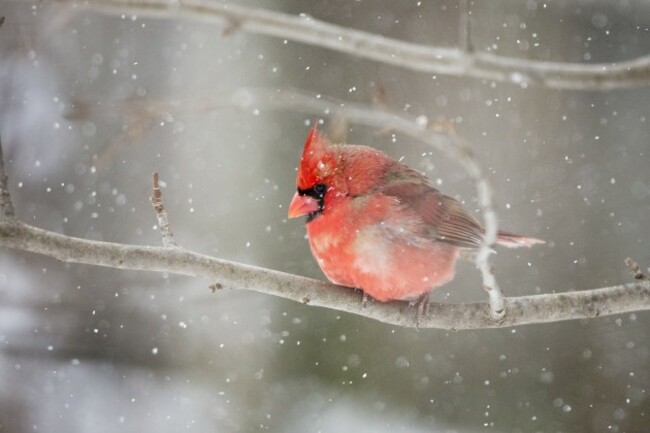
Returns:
point(378, 225)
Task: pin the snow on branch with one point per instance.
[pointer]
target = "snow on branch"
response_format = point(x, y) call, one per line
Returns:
point(458, 62)
point(230, 275)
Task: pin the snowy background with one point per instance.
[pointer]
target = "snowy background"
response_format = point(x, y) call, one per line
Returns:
point(91, 105)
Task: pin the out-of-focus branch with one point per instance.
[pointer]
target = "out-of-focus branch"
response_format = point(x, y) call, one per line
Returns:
point(521, 310)
point(6, 205)
point(424, 58)
point(464, 28)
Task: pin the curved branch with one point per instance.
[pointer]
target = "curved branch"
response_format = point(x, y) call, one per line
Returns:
point(520, 310)
point(417, 57)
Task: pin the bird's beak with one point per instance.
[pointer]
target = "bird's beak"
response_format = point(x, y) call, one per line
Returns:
point(302, 205)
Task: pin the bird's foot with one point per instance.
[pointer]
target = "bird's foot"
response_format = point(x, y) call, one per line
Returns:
point(421, 309)
point(366, 298)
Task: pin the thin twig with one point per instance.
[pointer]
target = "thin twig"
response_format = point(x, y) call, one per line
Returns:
point(423, 58)
point(523, 310)
point(636, 270)
point(6, 205)
point(161, 213)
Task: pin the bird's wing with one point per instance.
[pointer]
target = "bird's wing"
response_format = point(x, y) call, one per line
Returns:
point(446, 219)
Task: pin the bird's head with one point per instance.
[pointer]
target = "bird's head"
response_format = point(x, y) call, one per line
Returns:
point(316, 175)
point(329, 172)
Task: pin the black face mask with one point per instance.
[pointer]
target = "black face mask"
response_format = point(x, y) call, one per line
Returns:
point(317, 192)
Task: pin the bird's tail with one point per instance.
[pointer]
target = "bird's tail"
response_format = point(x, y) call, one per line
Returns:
point(512, 240)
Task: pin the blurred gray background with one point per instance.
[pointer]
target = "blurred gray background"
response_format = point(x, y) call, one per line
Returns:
point(86, 116)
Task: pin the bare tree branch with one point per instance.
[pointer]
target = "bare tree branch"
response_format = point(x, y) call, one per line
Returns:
point(523, 310)
point(424, 58)
point(161, 213)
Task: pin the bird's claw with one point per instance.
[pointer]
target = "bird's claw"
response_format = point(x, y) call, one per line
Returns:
point(421, 309)
point(364, 300)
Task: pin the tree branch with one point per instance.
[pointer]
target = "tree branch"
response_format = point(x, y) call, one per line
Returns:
point(521, 310)
point(161, 213)
point(423, 58)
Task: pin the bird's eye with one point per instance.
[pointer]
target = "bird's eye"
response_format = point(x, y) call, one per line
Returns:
point(320, 189)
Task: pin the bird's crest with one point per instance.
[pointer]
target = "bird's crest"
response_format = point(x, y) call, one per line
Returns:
point(317, 161)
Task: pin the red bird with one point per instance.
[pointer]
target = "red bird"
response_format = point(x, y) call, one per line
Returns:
point(378, 225)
